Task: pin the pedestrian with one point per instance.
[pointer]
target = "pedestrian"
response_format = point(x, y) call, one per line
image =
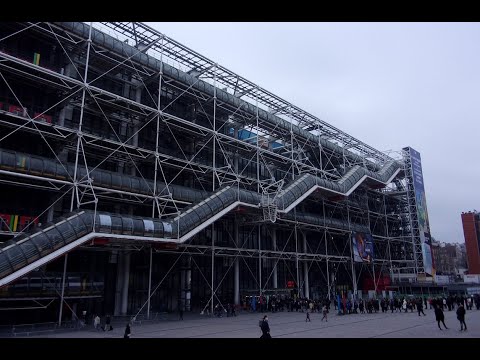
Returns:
point(84, 316)
point(325, 312)
point(420, 307)
point(461, 317)
point(308, 317)
point(265, 328)
point(180, 312)
point(127, 332)
point(234, 311)
point(439, 316)
point(108, 326)
point(96, 322)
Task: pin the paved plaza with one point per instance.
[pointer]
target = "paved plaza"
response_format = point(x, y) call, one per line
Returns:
point(293, 325)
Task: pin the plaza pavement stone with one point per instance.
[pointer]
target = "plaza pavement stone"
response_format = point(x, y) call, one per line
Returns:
point(293, 325)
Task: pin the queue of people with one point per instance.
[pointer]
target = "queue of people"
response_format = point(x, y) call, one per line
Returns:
point(399, 304)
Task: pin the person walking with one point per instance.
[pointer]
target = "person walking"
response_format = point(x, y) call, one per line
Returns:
point(439, 316)
point(265, 328)
point(96, 322)
point(461, 317)
point(128, 332)
point(108, 326)
point(308, 317)
point(180, 313)
point(420, 307)
point(325, 312)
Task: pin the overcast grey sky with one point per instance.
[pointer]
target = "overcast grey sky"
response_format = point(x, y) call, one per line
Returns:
point(388, 84)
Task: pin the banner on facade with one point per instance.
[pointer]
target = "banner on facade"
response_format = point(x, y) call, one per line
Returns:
point(422, 213)
point(362, 247)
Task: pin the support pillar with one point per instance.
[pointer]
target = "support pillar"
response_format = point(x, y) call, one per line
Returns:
point(185, 284)
point(236, 235)
point(305, 269)
point(126, 278)
point(119, 284)
point(182, 299)
point(149, 284)
point(349, 239)
point(50, 214)
point(236, 282)
point(296, 261)
point(213, 269)
point(63, 289)
point(275, 272)
point(236, 267)
point(188, 284)
point(354, 276)
point(328, 271)
point(74, 312)
point(259, 261)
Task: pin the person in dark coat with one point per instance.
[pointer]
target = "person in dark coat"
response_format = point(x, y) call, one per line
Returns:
point(308, 317)
point(461, 317)
point(439, 316)
point(108, 326)
point(420, 307)
point(265, 328)
point(127, 332)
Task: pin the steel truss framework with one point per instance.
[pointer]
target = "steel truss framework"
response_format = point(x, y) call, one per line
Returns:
point(91, 107)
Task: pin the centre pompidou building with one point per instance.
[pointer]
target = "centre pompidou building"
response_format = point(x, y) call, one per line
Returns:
point(136, 176)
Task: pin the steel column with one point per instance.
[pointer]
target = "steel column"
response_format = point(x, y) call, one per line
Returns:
point(79, 133)
point(275, 270)
point(63, 289)
point(149, 284)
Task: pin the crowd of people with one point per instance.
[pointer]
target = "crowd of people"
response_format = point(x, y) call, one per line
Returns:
point(344, 306)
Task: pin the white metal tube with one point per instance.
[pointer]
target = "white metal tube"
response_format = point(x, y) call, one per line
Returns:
point(236, 269)
point(149, 283)
point(275, 270)
point(296, 259)
point(354, 276)
point(79, 134)
point(328, 271)
point(305, 269)
point(213, 267)
point(259, 261)
point(63, 289)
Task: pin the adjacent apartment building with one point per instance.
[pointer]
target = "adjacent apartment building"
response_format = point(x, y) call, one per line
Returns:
point(470, 221)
